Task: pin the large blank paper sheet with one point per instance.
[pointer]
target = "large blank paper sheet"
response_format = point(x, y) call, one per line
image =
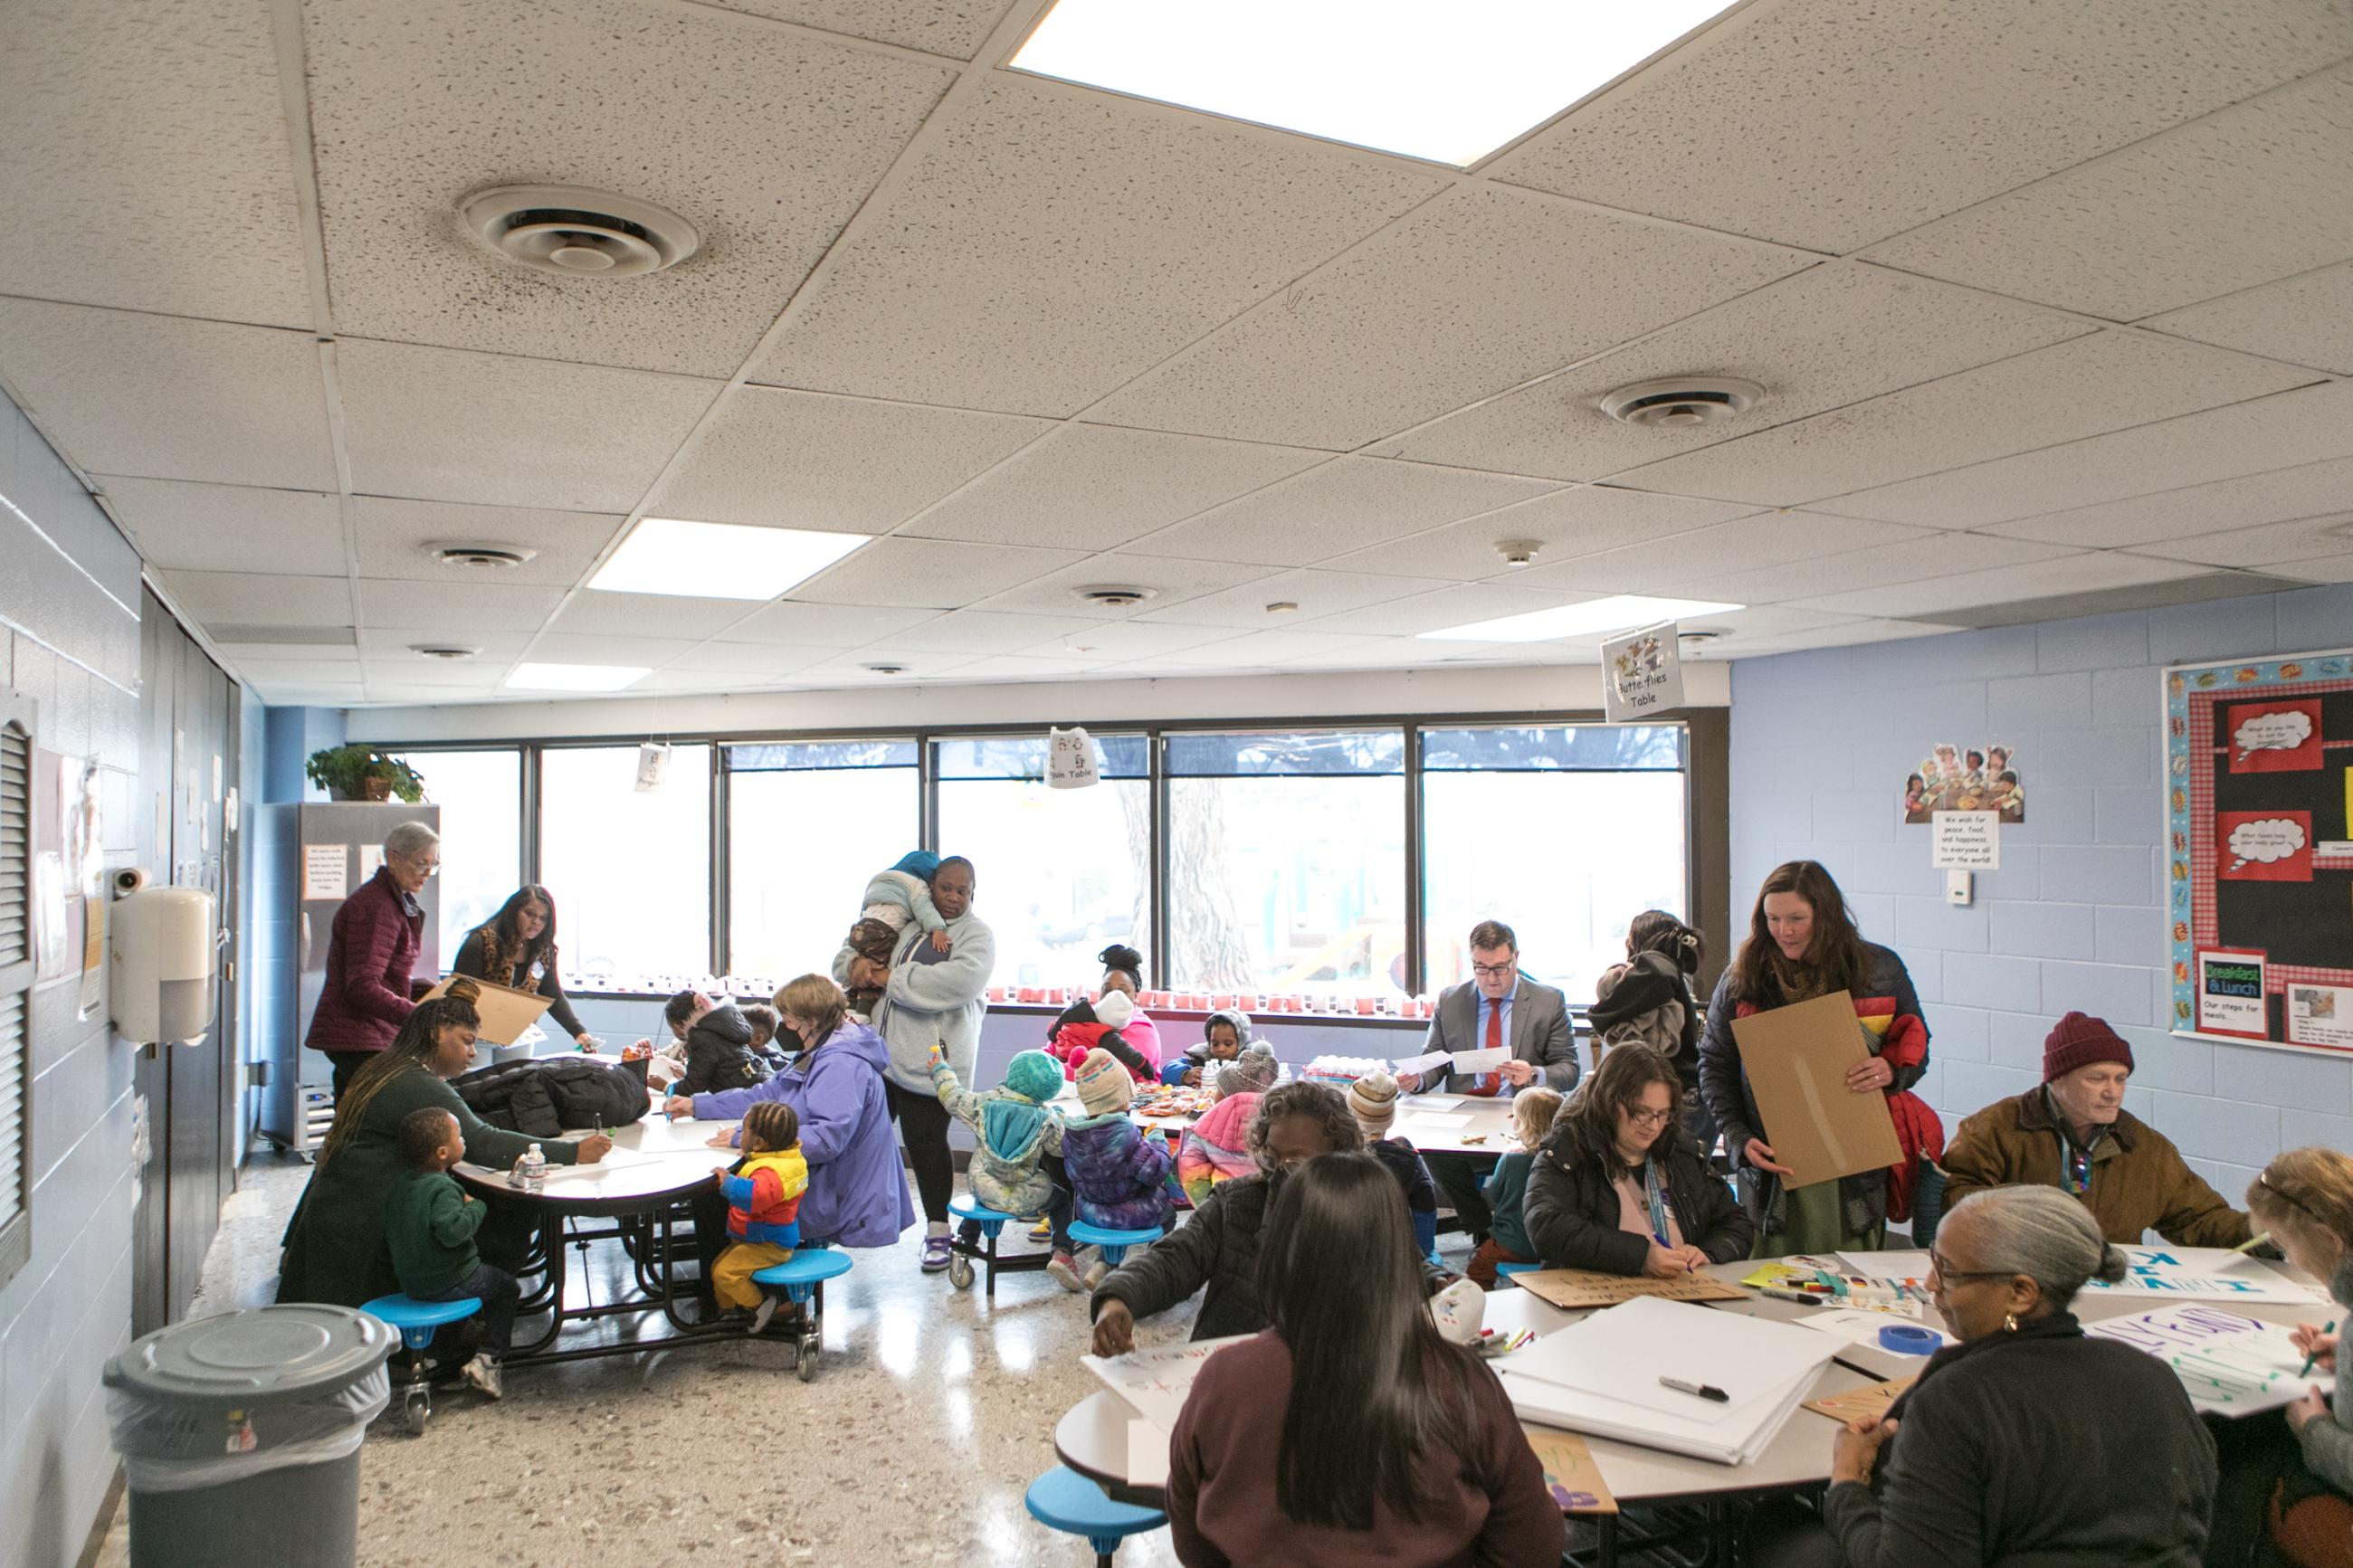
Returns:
point(1733, 1442)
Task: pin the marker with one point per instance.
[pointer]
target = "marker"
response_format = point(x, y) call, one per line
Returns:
point(1664, 1247)
point(2262, 1240)
point(2315, 1356)
point(1701, 1390)
point(1804, 1298)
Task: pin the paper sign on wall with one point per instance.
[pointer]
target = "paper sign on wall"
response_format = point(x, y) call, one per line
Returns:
point(1641, 674)
point(2320, 1015)
point(370, 860)
point(1070, 758)
point(326, 870)
point(1965, 840)
point(2230, 992)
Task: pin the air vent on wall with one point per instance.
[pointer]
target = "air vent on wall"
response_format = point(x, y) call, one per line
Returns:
point(574, 232)
point(1681, 402)
point(1113, 596)
point(482, 555)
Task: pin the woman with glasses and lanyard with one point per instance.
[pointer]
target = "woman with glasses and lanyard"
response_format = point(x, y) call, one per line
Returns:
point(1616, 1187)
point(377, 934)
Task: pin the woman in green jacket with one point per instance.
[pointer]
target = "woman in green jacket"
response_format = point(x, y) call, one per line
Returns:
point(335, 1249)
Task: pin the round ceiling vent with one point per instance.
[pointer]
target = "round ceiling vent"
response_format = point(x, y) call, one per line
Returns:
point(575, 232)
point(1681, 402)
point(480, 556)
point(1114, 596)
point(442, 650)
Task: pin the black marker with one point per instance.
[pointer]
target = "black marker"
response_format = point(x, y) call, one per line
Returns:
point(1703, 1390)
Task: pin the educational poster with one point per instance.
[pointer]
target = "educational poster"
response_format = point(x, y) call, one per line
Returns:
point(2259, 848)
point(1984, 777)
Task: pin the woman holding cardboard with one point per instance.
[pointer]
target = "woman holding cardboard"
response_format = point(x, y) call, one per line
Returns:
point(1802, 944)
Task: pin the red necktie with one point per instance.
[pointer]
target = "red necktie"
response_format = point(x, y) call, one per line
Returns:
point(1491, 1083)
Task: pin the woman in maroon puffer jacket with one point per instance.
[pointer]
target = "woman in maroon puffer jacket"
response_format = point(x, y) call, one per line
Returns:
point(377, 935)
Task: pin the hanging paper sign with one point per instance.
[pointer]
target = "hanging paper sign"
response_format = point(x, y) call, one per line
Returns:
point(1071, 760)
point(1965, 840)
point(652, 758)
point(1641, 674)
point(2230, 994)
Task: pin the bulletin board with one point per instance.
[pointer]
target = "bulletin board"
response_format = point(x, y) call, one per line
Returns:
point(2259, 835)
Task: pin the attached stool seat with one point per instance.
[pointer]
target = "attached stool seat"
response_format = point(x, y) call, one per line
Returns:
point(1114, 1243)
point(1505, 1270)
point(1066, 1500)
point(990, 1223)
point(418, 1321)
point(802, 1278)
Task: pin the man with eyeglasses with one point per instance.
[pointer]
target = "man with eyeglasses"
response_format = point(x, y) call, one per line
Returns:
point(378, 933)
point(2074, 1134)
point(1499, 1009)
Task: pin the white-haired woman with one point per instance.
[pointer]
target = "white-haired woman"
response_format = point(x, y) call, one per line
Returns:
point(2027, 1441)
point(377, 935)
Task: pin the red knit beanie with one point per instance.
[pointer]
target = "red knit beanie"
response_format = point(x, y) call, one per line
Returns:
point(2078, 1040)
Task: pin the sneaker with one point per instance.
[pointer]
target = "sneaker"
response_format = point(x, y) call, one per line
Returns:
point(1042, 1231)
point(482, 1372)
point(936, 1251)
point(1065, 1272)
point(1097, 1272)
point(762, 1313)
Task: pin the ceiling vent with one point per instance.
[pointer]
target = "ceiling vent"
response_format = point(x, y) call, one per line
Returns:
point(1681, 402)
point(483, 556)
point(886, 670)
point(574, 232)
point(1111, 596)
point(442, 650)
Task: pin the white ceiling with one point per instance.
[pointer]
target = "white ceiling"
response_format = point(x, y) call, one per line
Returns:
point(2047, 301)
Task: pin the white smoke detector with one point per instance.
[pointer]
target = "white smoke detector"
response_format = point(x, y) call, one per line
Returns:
point(1115, 596)
point(571, 231)
point(1681, 402)
point(1518, 551)
point(504, 557)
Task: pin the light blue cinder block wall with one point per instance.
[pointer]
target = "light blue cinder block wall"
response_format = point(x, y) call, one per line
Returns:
point(1820, 745)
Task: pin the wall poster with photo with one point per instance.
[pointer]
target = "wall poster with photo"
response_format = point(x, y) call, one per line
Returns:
point(1977, 777)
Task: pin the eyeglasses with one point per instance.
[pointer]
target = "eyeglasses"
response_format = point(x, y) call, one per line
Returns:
point(1647, 1118)
point(1952, 1276)
point(1494, 971)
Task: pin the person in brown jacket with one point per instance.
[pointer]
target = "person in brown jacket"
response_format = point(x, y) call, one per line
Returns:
point(2074, 1134)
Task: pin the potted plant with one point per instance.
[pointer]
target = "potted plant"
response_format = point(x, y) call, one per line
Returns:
point(362, 773)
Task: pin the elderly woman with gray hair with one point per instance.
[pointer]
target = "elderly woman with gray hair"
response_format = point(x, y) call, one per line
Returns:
point(2027, 1443)
point(377, 935)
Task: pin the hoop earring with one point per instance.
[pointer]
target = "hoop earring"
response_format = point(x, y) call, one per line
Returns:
point(2009, 1322)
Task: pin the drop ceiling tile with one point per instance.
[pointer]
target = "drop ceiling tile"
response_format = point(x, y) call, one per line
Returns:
point(139, 135)
point(605, 647)
point(595, 612)
point(797, 624)
point(2082, 573)
point(2305, 320)
point(709, 682)
point(765, 140)
point(397, 539)
point(1023, 667)
point(1405, 653)
point(979, 632)
point(1768, 538)
point(338, 694)
point(161, 397)
point(1094, 487)
point(2246, 196)
point(1343, 505)
point(1861, 570)
point(763, 661)
point(1317, 595)
point(277, 672)
point(1171, 582)
point(452, 608)
point(1051, 244)
point(1457, 606)
point(323, 660)
point(473, 675)
point(796, 460)
point(851, 669)
point(952, 27)
point(1271, 649)
point(1476, 292)
point(2272, 546)
point(253, 598)
point(1848, 634)
point(230, 528)
point(1829, 336)
point(1123, 640)
point(1583, 521)
point(2288, 428)
point(2320, 569)
point(1833, 123)
point(1755, 621)
point(2039, 399)
point(930, 573)
point(397, 643)
point(435, 424)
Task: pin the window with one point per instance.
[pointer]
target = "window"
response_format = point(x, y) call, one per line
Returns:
point(631, 871)
point(15, 985)
point(1564, 833)
point(481, 797)
point(1062, 872)
point(1286, 862)
point(809, 822)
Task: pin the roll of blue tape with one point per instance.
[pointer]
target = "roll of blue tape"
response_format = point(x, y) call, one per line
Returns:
point(1905, 1339)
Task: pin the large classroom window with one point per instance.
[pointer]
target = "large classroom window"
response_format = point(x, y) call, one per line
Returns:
point(630, 870)
point(1286, 862)
point(481, 797)
point(810, 822)
point(1564, 832)
point(1062, 872)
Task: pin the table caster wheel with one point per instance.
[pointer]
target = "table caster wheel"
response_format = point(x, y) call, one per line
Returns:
point(960, 1271)
point(415, 1411)
point(804, 1357)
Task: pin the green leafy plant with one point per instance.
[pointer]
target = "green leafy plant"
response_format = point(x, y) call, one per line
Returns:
point(362, 773)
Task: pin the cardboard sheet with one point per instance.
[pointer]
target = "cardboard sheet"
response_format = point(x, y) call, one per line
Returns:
point(505, 1011)
point(1857, 1403)
point(1570, 1473)
point(1796, 1060)
point(1575, 1289)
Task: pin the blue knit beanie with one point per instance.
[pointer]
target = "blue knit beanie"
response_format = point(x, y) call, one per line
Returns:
point(1034, 1074)
point(918, 863)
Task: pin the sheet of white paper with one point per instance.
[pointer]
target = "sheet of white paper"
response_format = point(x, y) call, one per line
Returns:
point(1887, 1264)
point(1622, 1351)
point(1481, 1061)
point(1432, 1119)
point(2229, 1364)
point(1861, 1327)
point(1156, 1382)
point(1426, 1102)
point(326, 868)
point(1147, 1454)
point(1729, 1442)
point(2206, 1274)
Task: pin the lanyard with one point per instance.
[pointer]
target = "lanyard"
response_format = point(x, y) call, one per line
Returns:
point(1654, 1194)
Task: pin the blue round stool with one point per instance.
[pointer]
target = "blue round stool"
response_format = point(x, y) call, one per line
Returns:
point(803, 1278)
point(416, 1321)
point(990, 1223)
point(1066, 1500)
point(1114, 1243)
point(1505, 1270)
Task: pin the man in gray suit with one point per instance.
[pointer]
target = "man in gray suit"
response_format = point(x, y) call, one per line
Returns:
point(1499, 1007)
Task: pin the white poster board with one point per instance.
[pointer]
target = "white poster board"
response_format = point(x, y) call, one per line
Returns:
point(1965, 840)
point(2204, 1274)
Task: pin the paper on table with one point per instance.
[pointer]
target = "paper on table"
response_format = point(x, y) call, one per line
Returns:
point(1434, 1118)
point(1423, 1102)
point(1578, 1289)
point(1887, 1264)
point(1622, 1351)
point(2228, 1363)
point(2205, 1274)
point(1414, 1067)
point(1856, 1404)
point(1482, 1060)
point(1570, 1473)
point(1861, 1326)
point(1729, 1442)
point(1147, 1454)
point(1156, 1382)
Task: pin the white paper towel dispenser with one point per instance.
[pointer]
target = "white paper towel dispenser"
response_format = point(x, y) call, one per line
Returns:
point(165, 951)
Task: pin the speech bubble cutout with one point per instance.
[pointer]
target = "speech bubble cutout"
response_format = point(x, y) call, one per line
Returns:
point(2283, 731)
point(2273, 839)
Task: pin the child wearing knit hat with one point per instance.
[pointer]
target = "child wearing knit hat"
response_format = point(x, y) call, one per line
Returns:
point(1372, 1101)
point(1253, 1072)
point(1016, 1133)
point(1119, 1175)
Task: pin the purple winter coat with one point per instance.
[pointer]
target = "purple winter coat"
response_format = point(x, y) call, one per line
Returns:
point(856, 1188)
point(1119, 1177)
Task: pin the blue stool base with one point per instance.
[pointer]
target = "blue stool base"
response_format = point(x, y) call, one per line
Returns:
point(1066, 1500)
point(991, 1223)
point(1113, 1243)
point(418, 1323)
point(802, 1278)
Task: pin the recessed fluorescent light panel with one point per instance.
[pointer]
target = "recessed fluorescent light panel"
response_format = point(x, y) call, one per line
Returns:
point(1449, 83)
point(1594, 616)
point(575, 677)
point(719, 560)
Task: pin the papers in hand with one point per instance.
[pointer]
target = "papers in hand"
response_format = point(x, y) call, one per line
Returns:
point(1481, 1061)
point(1155, 1383)
point(1414, 1067)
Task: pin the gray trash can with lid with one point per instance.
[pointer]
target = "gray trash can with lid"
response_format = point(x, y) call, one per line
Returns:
point(240, 1436)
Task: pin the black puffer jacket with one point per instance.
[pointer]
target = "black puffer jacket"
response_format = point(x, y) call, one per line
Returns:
point(1572, 1209)
point(719, 1055)
point(549, 1097)
point(1217, 1247)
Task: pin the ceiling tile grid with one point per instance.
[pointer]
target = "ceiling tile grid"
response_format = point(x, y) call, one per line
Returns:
point(2213, 510)
point(2081, 573)
point(2305, 320)
point(230, 528)
point(2276, 547)
point(1585, 521)
point(257, 599)
point(1766, 540)
point(955, 28)
point(455, 609)
point(930, 573)
point(400, 538)
point(1313, 594)
point(1343, 505)
point(792, 624)
point(1167, 581)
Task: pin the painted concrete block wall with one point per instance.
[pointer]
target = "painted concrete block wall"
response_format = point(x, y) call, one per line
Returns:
point(1820, 745)
point(68, 638)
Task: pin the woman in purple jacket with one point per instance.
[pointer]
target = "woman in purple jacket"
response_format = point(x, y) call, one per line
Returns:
point(378, 933)
point(856, 1189)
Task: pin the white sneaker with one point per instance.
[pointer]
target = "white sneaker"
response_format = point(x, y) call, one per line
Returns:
point(1063, 1273)
point(1097, 1272)
point(762, 1313)
point(482, 1372)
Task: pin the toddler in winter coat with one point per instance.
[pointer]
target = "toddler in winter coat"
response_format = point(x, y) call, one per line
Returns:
point(1119, 1176)
point(1225, 1035)
point(1217, 1147)
point(1372, 1101)
point(714, 1043)
point(1019, 1138)
point(762, 1191)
